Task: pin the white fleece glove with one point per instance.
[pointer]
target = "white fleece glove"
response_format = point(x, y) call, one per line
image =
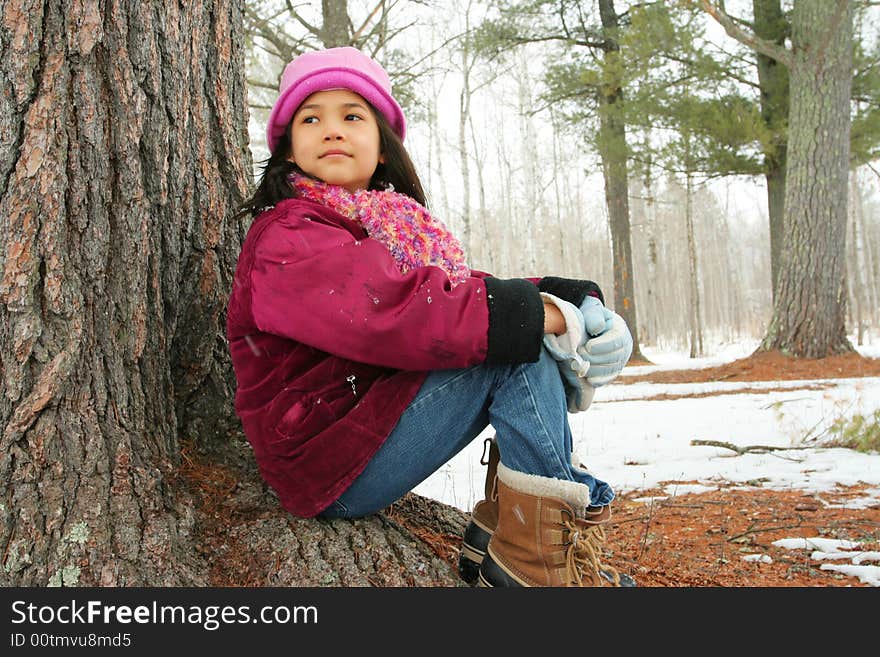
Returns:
point(608, 353)
point(564, 349)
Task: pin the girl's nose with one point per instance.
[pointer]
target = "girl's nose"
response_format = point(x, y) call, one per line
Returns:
point(332, 134)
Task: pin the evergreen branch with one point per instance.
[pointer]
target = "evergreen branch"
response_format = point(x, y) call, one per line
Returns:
point(625, 15)
point(748, 38)
point(687, 61)
point(868, 100)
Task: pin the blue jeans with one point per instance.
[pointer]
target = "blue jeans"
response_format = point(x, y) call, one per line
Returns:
point(525, 403)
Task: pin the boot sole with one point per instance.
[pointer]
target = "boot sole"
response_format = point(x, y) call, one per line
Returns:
point(473, 551)
point(472, 557)
point(494, 575)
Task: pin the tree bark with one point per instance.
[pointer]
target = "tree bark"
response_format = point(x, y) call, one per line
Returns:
point(772, 25)
point(809, 309)
point(124, 154)
point(251, 541)
point(335, 30)
point(114, 205)
point(614, 153)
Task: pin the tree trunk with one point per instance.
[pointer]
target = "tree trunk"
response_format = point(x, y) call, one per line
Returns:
point(335, 30)
point(772, 25)
point(614, 153)
point(866, 254)
point(114, 206)
point(862, 297)
point(438, 193)
point(251, 541)
point(558, 183)
point(464, 110)
point(486, 244)
point(809, 309)
point(856, 286)
point(533, 223)
point(118, 176)
point(696, 330)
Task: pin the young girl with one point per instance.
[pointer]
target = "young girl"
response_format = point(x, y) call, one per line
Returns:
point(367, 353)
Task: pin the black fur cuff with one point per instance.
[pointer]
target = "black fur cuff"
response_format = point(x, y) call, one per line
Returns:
point(516, 321)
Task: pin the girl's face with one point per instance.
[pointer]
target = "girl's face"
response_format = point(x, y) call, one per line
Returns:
point(336, 139)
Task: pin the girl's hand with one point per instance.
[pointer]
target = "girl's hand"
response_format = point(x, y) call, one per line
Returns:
point(554, 321)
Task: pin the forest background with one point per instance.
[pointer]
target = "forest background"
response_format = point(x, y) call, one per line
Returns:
point(506, 116)
point(714, 167)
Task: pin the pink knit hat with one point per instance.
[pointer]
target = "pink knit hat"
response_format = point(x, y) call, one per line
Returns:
point(334, 68)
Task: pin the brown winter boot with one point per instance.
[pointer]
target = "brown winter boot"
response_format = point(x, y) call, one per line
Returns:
point(484, 517)
point(546, 535)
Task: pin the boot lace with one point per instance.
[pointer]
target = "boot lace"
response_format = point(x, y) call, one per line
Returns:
point(582, 556)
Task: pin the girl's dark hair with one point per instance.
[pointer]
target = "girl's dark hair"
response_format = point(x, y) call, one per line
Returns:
point(397, 171)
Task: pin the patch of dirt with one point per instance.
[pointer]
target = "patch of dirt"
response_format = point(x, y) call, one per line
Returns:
point(701, 539)
point(665, 396)
point(766, 366)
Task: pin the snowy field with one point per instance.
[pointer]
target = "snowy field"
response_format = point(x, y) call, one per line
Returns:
point(635, 443)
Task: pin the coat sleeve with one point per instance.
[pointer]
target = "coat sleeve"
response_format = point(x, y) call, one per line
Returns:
point(315, 283)
point(573, 290)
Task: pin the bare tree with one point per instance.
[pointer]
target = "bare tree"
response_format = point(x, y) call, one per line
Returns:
point(860, 264)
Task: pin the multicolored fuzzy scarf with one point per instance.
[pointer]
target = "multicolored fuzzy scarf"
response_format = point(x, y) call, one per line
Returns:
point(407, 229)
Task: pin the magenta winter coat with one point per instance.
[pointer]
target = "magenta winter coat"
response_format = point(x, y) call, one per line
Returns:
point(330, 343)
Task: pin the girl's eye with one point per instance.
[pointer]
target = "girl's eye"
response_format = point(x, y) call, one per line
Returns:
point(353, 117)
point(310, 119)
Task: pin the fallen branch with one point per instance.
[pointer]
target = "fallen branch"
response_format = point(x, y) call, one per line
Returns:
point(758, 449)
point(763, 529)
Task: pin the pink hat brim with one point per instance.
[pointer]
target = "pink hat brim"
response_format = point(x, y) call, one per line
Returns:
point(331, 78)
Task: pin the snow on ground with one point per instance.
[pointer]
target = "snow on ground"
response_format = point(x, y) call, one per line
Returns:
point(831, 549)
point(635, 443)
